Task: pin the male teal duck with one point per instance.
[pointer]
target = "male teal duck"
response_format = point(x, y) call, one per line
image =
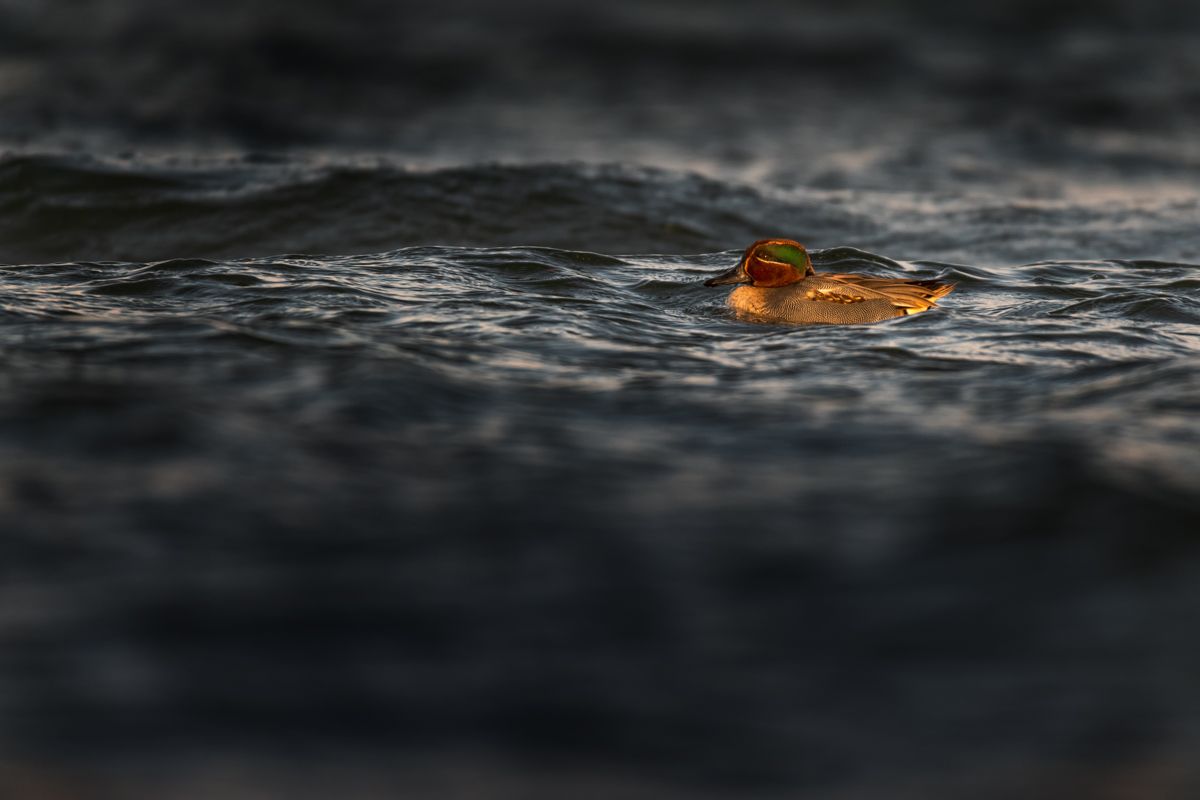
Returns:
point(783, 287)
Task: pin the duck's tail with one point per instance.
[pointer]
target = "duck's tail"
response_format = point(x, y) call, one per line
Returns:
point(918, 296)
point(936, 289)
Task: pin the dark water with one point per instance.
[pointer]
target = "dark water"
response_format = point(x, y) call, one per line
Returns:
point(387, 443)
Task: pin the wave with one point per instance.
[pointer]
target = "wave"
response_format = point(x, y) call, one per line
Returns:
point(74, 208)
point(66, 208)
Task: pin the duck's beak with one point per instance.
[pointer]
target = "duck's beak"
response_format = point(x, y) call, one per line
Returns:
point(735, 275)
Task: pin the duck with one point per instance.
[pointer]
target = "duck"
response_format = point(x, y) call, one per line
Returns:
point(779, 284)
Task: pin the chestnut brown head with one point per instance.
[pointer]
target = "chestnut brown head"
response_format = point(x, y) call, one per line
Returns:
point(768, 263)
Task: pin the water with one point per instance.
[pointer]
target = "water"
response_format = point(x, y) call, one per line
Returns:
point(389, 443)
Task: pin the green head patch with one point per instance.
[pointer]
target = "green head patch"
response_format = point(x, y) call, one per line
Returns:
point(787, 253)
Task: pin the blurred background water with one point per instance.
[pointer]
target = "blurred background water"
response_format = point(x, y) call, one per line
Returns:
point(365, 429)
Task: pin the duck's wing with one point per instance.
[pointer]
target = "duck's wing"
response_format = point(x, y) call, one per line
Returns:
point(910, 296)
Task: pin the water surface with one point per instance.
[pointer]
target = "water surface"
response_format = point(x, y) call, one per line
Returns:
point(559, 504)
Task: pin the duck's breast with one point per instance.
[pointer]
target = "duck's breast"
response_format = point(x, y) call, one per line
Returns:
point(789, 304)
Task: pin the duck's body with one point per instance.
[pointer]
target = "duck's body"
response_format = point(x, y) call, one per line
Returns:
point(825, 298)
point(784, 288)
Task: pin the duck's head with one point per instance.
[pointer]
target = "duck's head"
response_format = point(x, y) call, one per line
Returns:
point(768, 263)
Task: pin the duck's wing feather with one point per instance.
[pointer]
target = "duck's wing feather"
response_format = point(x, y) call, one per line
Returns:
point(911, 296)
